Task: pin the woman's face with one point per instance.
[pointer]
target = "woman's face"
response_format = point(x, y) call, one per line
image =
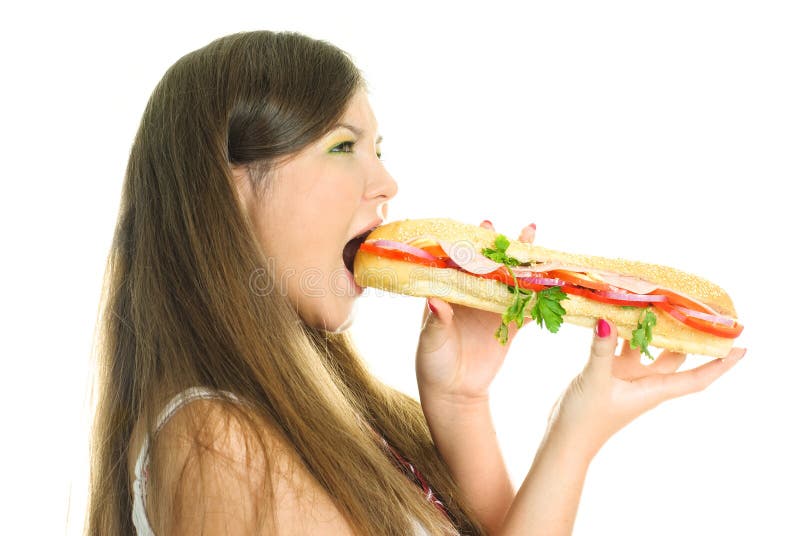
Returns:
point(330, 192)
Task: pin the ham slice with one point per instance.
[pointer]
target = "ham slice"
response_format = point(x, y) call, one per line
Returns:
point(626, 282)
point(464, 254)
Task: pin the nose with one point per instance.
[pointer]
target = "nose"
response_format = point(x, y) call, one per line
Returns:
point(382, 184)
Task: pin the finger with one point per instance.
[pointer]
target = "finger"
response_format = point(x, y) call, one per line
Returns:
point(667, 362)
point(486, 224)
point(628, 364)
point(437, 311)
point(677, 384)
point(528, 233)
point(627, 352)
point(604, 343)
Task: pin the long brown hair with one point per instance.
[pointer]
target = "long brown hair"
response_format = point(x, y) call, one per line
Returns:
point(179, 308)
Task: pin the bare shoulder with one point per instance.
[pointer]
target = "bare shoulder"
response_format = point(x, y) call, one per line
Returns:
point(211, 473)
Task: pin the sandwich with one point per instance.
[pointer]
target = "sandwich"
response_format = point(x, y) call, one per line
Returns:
point(651, 305)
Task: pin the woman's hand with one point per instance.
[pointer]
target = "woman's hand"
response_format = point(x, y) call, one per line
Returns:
point(457, 358)
point(612, 390)
point(458, 355)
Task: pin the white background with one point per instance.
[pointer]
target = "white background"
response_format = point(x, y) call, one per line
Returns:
point(662, 132)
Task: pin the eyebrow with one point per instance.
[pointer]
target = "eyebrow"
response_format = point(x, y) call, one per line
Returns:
point(355, 130)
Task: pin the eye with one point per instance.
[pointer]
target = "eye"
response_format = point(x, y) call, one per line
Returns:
point(344, 147)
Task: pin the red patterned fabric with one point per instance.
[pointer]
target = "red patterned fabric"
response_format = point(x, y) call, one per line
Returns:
point(414, 475)
point(412, 472)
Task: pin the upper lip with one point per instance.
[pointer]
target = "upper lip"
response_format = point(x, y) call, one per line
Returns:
point(366, 229)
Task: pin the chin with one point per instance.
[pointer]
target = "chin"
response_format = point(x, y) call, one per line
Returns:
point(333, 317)
point(330, 306)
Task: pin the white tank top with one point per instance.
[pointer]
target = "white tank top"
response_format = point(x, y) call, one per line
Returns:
point(139, 514)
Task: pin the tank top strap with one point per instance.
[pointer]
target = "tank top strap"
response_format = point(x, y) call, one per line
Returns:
point(178, 401)
point(183, 398)
point(140, 471)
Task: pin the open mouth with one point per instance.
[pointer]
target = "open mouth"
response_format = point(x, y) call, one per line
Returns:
point(350, 249)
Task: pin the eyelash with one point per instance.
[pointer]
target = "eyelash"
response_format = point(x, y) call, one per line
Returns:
point(349, 145)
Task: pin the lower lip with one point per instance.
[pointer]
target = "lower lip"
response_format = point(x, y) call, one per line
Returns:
point(358, 289)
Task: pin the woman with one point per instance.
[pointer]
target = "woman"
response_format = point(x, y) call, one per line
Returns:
point(231, 399)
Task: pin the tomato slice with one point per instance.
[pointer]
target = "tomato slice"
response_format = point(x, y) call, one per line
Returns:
point(715, 329)
point(502, 275)
point(727, 332)
point(579, 279)
point(400, 255)
point(683, 301)
point(436, 251)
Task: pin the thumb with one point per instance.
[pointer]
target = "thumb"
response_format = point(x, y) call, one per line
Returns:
point(604, 344)
point(435, 323)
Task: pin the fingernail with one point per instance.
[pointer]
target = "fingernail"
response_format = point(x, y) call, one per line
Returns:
point(484, 222)
point(532, 226)
point(432, 308)
point(602, 329)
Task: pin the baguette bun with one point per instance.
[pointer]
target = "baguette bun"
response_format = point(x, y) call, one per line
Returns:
point(459, 287)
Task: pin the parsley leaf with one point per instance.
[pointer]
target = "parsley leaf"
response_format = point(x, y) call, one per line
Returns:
point(546, 304)
point(643, 333)
point(515, 312)
point(548, 309)
point(502, 333)
point(498, 254)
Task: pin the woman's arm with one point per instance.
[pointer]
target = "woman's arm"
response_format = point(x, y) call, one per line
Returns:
point(457, 359)
point(610, 392)
point(547, 502)
point(464, 435)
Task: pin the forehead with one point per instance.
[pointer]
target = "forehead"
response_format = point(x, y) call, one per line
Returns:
point(359, 111)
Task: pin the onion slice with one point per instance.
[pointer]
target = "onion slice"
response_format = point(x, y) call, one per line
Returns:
point(546, 281)
point(714, 319)
point(627, 296)
point(400, 246)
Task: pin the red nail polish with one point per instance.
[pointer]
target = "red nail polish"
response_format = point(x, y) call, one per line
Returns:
point(603, 328)
point(532, 226)
point(487, 221)
point(432, 308)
